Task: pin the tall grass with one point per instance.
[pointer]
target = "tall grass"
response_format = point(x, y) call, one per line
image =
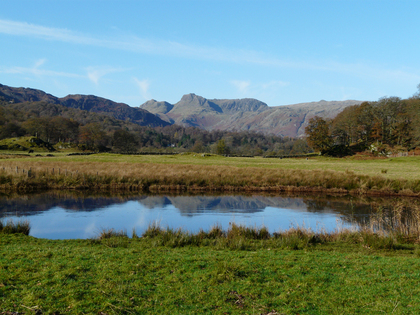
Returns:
point(239, 237)
point(181, 177)
point(389, 229)
point(11, 227)
point(400, 221)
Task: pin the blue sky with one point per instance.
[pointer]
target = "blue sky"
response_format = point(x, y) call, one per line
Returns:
point(280, 52)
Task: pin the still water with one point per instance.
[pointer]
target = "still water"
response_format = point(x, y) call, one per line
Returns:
point(66, 216)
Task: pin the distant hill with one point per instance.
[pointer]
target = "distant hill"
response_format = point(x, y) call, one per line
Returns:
point(244, 114)
point(89, 103)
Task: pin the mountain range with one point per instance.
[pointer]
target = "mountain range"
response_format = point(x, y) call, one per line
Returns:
point(244, 114)
point(194, 111)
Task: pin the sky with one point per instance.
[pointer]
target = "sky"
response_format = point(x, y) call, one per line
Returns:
point(279, 52)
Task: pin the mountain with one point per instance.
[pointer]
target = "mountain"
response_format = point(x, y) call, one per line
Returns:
point(194, 111)
point(244, 114)
point(89, 103)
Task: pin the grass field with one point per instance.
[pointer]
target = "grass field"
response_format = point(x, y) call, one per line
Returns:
point(121, 275)
point(392, 168)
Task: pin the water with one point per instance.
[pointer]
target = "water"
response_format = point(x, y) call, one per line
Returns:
point(64, 216)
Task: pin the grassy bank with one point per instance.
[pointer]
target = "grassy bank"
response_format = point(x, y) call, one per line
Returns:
point(238, 272)
point(211, 173)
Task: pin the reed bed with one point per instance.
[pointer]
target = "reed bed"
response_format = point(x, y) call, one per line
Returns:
point(42, 175)
point(239, 237)
point(390, 229)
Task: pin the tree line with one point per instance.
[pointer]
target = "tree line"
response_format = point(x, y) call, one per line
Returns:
point(389, 124)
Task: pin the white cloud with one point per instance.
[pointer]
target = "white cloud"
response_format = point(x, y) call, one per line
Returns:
point(96, 73)
point(143, 86)
point(242, 86)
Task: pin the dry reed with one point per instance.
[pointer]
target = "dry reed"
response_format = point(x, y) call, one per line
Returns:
point(172, 177)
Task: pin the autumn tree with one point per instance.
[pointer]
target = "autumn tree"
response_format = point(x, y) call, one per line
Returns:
point(198, 147)
point(318, 134)
point(93, 137)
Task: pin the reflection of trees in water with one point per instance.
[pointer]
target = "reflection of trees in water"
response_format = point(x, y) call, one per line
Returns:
point(358, 209)
point(350, 208)
point(350, 211)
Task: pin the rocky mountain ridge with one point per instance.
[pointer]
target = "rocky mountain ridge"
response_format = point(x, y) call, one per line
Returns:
point(244, 114)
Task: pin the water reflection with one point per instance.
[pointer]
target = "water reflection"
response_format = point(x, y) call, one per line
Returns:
point(81, 215)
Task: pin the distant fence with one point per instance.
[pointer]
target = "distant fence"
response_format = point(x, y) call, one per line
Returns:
point(400, 154)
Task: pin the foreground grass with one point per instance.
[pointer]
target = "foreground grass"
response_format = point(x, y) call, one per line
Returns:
point(120, 275)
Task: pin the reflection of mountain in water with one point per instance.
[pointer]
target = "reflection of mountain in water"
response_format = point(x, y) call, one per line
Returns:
point(349, 208)
point(188, 205)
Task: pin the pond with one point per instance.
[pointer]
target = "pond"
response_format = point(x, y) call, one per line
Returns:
point(78, 216)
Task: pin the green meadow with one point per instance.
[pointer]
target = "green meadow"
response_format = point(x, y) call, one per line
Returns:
point(156, 274)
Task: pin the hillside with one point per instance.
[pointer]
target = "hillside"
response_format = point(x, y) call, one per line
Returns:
point(244, 114)
point(88, 103)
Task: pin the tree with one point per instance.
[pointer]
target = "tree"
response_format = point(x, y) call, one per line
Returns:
point(221, 147)
point(64, 129)
point(40, 127)
point(124, 141)
point(10, 130)
point(318, 134)
point(93, 137)
point(198, 147)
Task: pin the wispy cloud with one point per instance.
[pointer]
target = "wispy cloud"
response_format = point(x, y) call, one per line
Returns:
point(27, 29)
point(96, 73)
point(185, 50)
point(143, 86)
point(242, 86)
point(36, 70)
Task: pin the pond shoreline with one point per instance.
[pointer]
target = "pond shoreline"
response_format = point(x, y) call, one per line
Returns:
point(42, 186)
